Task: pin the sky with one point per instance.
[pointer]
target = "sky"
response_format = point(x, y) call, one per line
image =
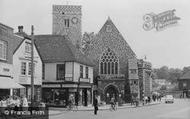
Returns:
point(169, 47)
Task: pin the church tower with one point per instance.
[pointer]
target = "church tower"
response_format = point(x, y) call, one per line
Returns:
point(67, 21)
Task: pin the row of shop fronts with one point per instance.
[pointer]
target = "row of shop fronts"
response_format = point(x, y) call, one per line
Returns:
point(59, 94)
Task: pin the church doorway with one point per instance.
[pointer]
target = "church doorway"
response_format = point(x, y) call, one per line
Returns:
point(111, 91)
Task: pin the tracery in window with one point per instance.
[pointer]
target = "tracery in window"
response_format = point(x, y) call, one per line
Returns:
point(108, 63)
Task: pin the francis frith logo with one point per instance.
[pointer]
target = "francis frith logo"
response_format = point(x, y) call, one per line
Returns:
point(160, 21)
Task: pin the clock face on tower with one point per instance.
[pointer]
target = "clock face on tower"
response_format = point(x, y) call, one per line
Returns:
point(74, 20)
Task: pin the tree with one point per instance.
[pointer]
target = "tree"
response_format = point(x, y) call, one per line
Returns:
point(174, 75)
point(86, 41)
point(186, 69)
point(162, 73)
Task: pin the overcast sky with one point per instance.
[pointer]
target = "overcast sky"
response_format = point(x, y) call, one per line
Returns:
point(170, 47)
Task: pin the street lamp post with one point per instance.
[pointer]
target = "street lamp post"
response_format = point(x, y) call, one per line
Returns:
point(32, 66)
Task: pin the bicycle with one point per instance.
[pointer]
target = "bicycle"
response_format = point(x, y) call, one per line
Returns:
point(72, 107)
point(113, 107)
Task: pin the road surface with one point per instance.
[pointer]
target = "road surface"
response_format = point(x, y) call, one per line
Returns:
point(180, 109)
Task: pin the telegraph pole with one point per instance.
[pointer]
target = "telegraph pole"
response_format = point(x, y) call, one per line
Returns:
point(32, 66)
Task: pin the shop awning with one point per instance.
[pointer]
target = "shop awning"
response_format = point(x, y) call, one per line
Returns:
point(8, 83)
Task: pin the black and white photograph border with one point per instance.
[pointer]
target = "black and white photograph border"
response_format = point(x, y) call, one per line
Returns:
point(95, 59)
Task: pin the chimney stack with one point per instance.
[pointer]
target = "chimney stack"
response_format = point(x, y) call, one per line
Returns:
point(20, 29)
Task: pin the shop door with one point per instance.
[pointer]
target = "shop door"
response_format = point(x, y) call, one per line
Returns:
point(63, 97)
point(85, 97)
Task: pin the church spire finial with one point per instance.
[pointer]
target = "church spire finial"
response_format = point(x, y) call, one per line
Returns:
point(109, 18)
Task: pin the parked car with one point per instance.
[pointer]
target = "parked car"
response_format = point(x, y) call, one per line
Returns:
point(169, 99)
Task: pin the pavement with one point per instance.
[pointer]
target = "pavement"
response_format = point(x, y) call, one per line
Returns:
point(58, 110)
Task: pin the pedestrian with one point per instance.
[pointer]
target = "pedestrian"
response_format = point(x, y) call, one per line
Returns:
point(112, 102)
point(24, 103)
point(95, 105)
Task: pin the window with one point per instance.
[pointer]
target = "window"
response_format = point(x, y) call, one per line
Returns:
point(86, 72)
point(23, 68)
point(28, 47)
point(81, 71)
point(109, 63)
point(66, 22)
point(43, 71)
point(108, 28)
point(3, 50)
point(29, 68)
point(133, 71)
point(60, 71)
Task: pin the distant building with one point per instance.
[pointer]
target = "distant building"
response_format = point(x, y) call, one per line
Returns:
point(22, 65)
point(184, 84)
point(66, 71)
point(162, 82)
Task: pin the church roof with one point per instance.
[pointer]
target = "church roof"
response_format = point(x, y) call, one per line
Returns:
point(115, 34)
point(57, 48)
point(185, 76)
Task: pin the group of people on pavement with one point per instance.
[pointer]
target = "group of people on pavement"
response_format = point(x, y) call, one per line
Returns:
point(14, 102)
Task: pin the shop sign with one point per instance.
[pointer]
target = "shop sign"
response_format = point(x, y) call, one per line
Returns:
point(84, 80)
point(160, 21)
point(51, 85)
point(5, 69)
point(68, 78)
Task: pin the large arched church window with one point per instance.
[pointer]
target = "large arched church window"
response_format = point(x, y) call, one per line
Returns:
point(108, 63)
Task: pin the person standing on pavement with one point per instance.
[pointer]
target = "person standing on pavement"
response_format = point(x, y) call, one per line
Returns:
point(95, 105)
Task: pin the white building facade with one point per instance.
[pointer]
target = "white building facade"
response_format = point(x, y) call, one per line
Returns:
point(22, 67)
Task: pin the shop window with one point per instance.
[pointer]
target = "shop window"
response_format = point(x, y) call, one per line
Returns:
point(184, 84)
point(3, 50)
point(81, 71)
point(108, 62)
point(86, 72)
point(60, 71)
point(23, 68)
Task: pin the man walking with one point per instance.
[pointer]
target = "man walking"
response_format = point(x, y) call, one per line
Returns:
point(95, 105)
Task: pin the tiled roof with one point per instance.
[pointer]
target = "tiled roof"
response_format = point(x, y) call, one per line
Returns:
point(17, 42)
point(186, 76)
point(57, 48)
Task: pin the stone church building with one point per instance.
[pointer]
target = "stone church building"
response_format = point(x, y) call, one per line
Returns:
point(118, 71)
